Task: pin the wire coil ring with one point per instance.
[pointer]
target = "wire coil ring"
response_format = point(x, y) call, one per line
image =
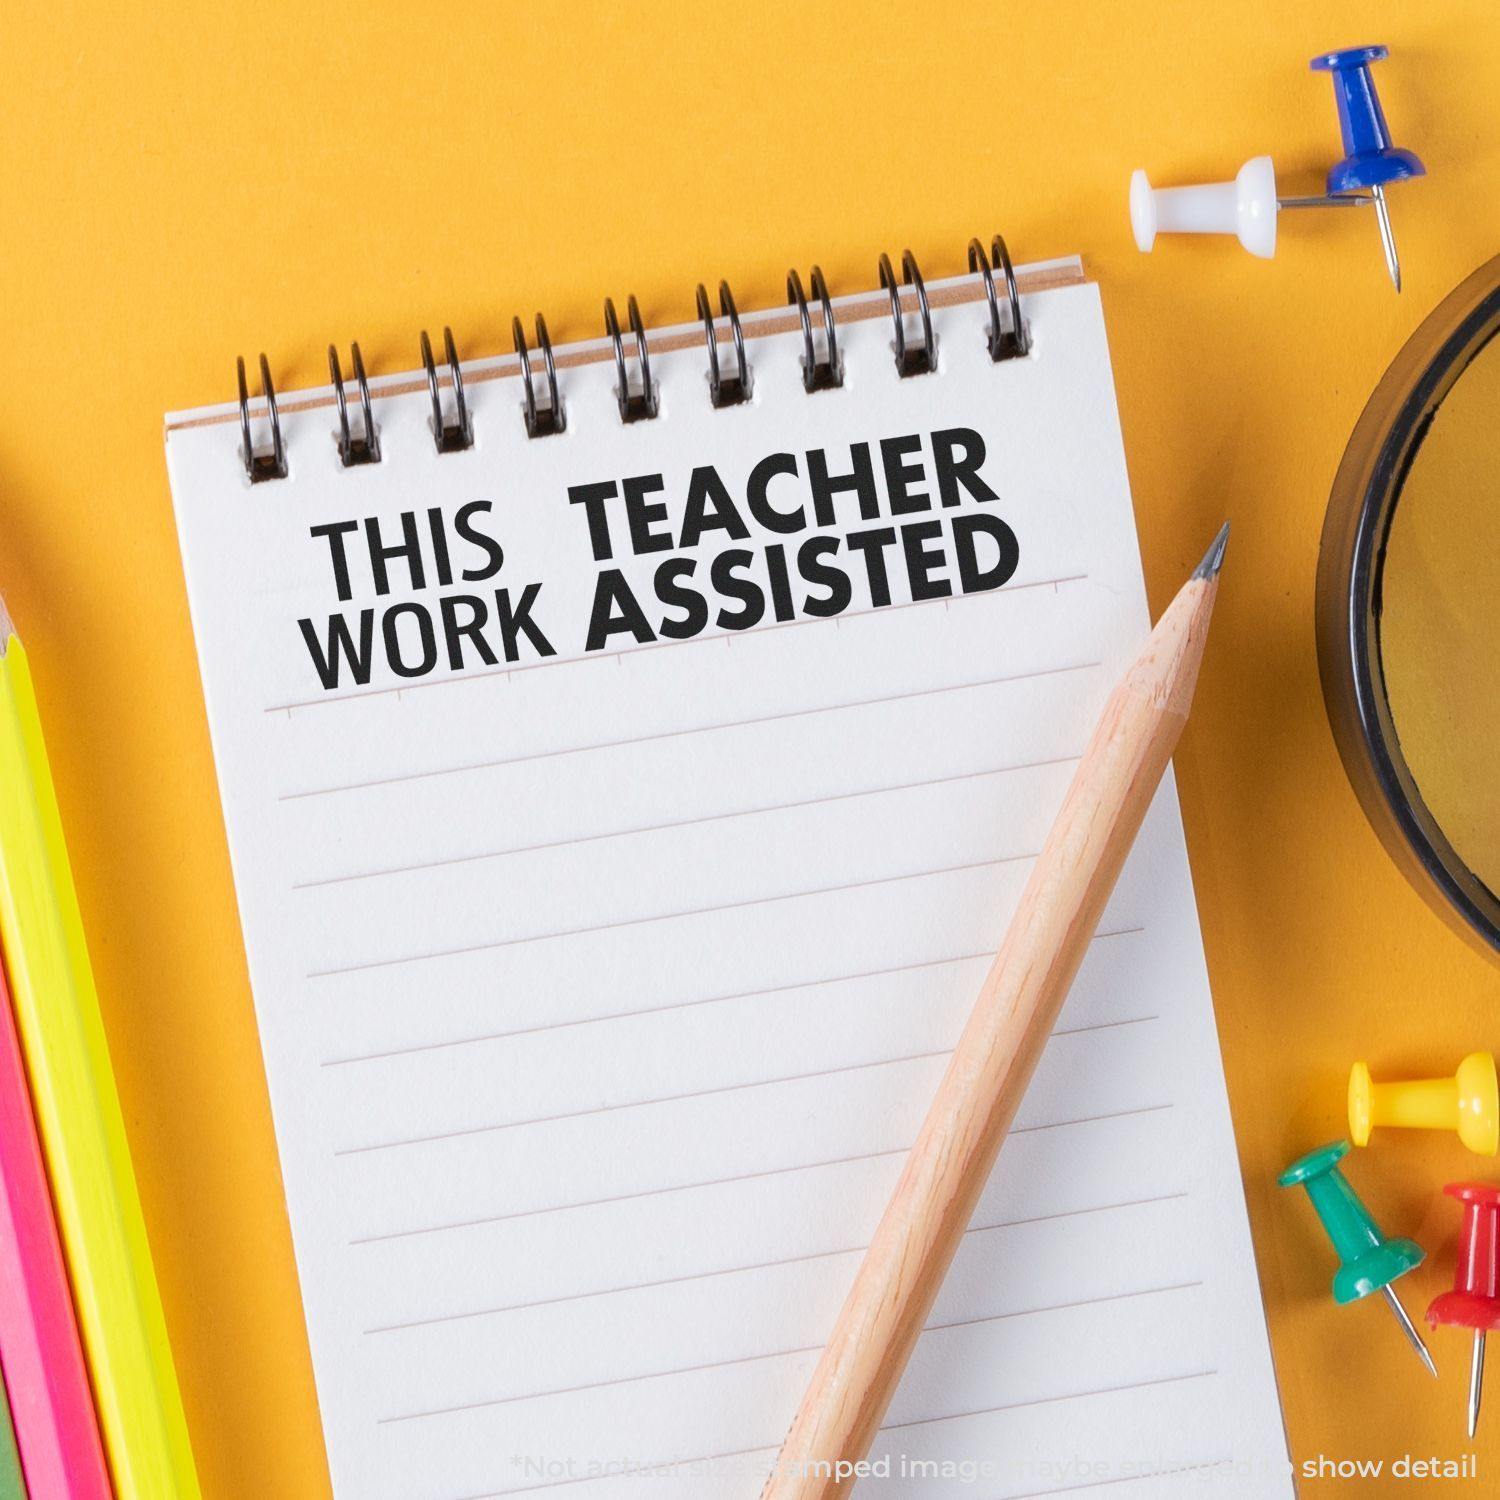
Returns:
point(455, 436)
point(545, 420)
point(921, 360)
point(979, 264)
point(733, 389)
point(634, 407)
point(828, 373)
point(1004, 343)
point(366, 448)
point(259, 466)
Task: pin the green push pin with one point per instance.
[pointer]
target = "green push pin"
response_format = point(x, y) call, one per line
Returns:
point(1369, 1261)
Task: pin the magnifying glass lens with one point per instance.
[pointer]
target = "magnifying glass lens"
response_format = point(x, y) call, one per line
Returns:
point(1409, 608)
point(1439, 616)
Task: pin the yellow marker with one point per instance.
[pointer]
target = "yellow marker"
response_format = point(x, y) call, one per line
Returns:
point(1469, 1103)
point(78, 1114)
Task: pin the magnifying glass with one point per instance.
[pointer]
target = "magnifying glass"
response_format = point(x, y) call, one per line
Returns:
point(1408, 608)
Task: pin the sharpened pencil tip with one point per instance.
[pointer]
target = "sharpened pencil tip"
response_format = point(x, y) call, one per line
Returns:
point(1213, 559)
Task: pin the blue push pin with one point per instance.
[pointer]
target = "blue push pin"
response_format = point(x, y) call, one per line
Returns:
point(1370, 160)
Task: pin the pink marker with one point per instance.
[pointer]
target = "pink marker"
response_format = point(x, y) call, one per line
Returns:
point(46, 1379)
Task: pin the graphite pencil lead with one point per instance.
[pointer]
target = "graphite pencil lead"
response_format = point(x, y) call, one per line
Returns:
point(1213, 559)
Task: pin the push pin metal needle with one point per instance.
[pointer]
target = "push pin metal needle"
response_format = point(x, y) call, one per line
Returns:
point(1370, 160)
point(1409, 1329)
point(1369, 1262)
point(1474, 1302)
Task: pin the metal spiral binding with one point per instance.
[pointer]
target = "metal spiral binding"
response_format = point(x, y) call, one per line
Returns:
point(259, 466)
point(540, 420)
point(455, 436)
point(822, 363)
point(364, 449)
point(1005, 343)
point(922, 358)
point(724, 390)
point(828, 373)
point(634, 406)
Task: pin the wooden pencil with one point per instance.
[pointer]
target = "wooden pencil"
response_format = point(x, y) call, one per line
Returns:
point(46, 1380)
point(1017, 1008)
point(78, 1115)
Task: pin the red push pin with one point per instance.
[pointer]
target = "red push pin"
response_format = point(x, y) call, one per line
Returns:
point(1474, 1301)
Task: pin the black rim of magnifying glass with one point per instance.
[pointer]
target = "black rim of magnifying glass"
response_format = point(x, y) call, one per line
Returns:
point(1351, 567)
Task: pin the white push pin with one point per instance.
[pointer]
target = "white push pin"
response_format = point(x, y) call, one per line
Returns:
point(1245, 208)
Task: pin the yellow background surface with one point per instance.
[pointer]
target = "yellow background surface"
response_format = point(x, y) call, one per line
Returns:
point(184, 183)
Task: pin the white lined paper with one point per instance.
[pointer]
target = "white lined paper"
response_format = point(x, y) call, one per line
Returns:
point(601, 994)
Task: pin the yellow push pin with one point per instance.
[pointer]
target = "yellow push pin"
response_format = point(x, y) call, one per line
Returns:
point(1469, 1103)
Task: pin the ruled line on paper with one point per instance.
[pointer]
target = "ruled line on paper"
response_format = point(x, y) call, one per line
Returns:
point(609, 1109)
point(660, 1192)
point(764, 1265)
point(665, 916)
point(1104, 1025)
point(656, 1010)
point(764, 1172)
point(1109, 1390)
point(725, 638)
point(677, 823)
point(675, 1005)
point(770, 1449)
point(692, 729)
point(927, 1055)
point(748, 1359)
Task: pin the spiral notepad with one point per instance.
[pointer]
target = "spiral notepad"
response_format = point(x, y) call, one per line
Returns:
point(631, 752)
